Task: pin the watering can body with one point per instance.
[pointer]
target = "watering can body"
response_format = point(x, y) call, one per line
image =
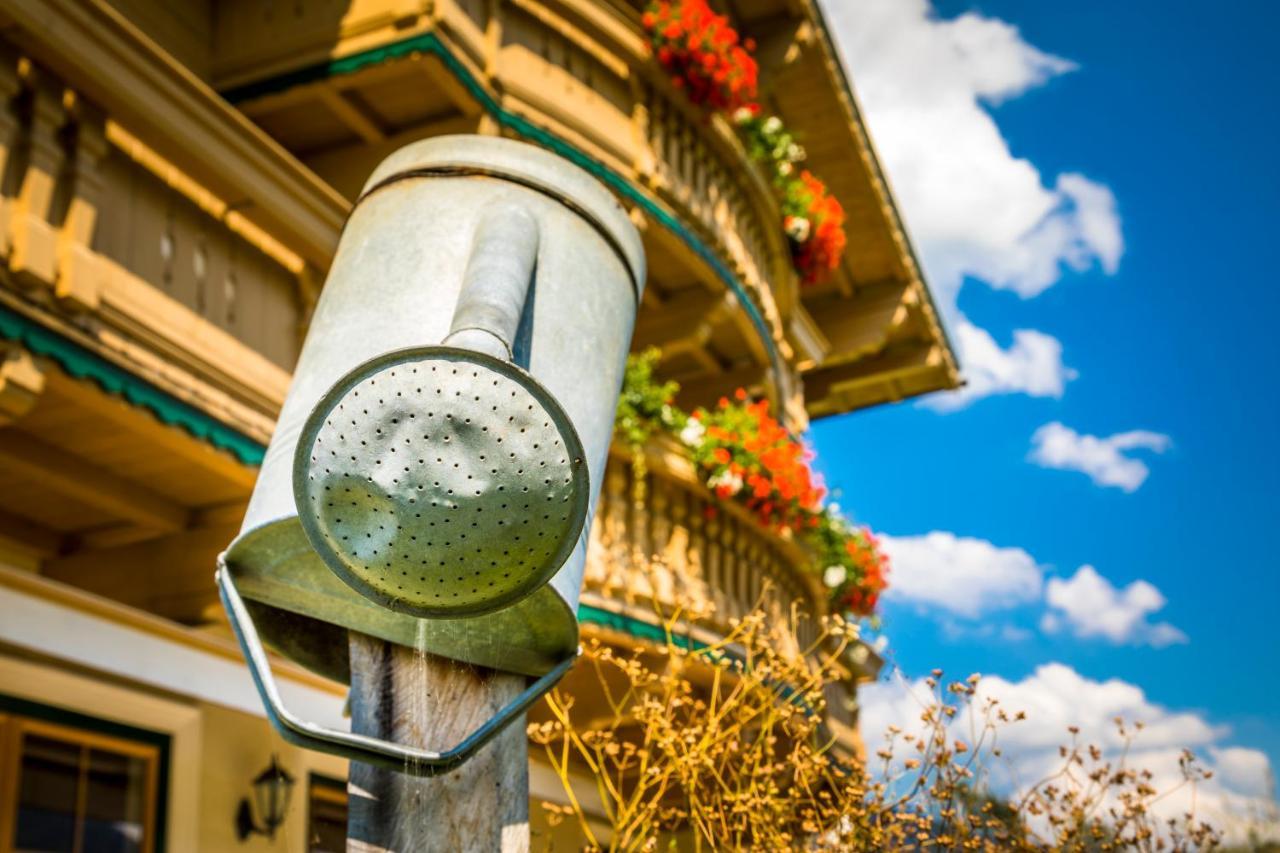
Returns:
point(395, 288)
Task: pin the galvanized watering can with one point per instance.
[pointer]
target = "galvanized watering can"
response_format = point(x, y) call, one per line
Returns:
point(437, 458)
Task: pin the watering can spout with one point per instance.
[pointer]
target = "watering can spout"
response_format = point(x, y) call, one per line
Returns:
point(496, 284)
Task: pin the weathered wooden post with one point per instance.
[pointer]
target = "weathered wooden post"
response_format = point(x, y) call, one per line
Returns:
point(419, 528)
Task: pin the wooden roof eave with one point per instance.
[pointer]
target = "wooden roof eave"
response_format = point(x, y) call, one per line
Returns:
point(813, 44)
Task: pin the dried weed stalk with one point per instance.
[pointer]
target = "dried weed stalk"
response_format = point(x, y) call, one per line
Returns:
point(724, 747)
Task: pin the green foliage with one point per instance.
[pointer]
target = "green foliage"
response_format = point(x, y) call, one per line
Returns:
point(769, 143)
point(646, 405)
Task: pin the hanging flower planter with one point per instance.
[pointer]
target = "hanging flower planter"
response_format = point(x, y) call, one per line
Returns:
point(814, 222)
point(707, 60)
point(744, 455)
point(702, 53)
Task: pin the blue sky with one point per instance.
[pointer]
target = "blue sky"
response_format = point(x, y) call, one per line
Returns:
point(1102, 175)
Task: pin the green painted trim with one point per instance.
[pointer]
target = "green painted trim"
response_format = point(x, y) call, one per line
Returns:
point(642, 630)
point(73, 719)
point(83, 363)
point(430, 44)
point(637, 628)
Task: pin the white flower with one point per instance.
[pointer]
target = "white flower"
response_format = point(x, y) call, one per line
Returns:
point(797, 228)
point(784, 168)
point(834, 576)
point(726, 478)
point(795, 153)
point(772, 124)
point(692, 433)
point(742, 115)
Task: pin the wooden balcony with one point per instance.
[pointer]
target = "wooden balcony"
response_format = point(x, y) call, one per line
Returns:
point(570, 75)
point(681, 550)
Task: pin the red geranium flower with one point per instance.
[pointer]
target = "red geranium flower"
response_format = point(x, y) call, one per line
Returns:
point(702, 53)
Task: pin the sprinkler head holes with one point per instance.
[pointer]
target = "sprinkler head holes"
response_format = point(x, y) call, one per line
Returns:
point(441, 482)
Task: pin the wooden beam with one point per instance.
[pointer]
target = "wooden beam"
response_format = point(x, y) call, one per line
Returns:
point(228, 516)
point(21, 383)
point(162, 437)
point(779, 41)
point(170, 575)
point(445, 80)
point(353, 114)
point(26, 535)
point(705, 391)
point(80, 479)
point(115, 536)
point(862, 323)
point(687, 317)
point(894, 364)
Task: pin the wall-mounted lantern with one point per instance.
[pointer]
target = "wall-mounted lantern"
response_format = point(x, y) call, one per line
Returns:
point(272, 790)
point(434, 466)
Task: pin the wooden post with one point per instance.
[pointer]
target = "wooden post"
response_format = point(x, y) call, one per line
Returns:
point(431, 702)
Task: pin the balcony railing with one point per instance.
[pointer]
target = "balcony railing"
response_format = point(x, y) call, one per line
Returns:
point(681, 549)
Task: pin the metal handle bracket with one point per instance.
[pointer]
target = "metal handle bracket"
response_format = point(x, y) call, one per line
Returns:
point(357, 747)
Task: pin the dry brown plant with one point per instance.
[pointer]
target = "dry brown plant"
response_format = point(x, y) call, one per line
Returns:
point(723, 746)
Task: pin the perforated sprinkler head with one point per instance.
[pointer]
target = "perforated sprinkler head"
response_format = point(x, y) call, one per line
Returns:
point(441, 482)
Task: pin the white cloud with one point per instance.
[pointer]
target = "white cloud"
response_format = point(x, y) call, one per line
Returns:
point(975, 209)
point(1090, 606)
point(1057, 446)
point(963, 575)
point(1055, 697)
point(1032, 365)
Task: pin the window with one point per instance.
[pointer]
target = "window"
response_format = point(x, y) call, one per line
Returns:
point(326, 815)
point(66, 788)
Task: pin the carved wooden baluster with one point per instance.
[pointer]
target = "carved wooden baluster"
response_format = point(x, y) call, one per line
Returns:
point(687, 585)
point(708, 175)
point(670, 149)
point(775, 597)
point(645, 162)
point(595, 572)
point(688, 167)
point(730, 567)
point(10, 133)
point(639, 573)
point(715, 571)
point(697, 550)
point(702, 167)
point(615, 526)
point(816, 608)
point(697, 183)
point(78, 266)
point(757, 573)
point(33, 254)
point(661, 566)
point(674, 140)
point(656, 130)
point(795, 609)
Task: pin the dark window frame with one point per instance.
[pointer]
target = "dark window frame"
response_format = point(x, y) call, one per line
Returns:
point(331, 788)
point(14, 710)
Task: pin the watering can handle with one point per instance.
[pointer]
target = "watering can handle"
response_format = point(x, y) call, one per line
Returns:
point(357, 747)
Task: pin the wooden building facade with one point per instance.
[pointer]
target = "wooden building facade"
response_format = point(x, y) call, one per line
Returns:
point(173, 181)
